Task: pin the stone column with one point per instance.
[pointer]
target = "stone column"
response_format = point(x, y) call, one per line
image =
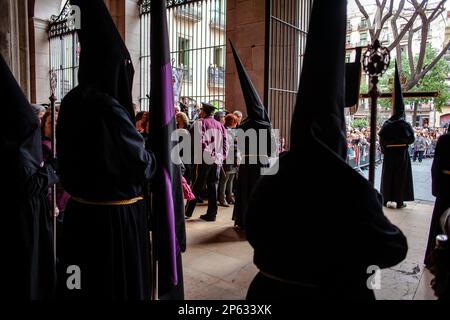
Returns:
point(14, 39)
point(40, 62)
point(117, 10)
point(133, 42)
point(125, 14)
point(246, 28)
point(24, 46)
point(5, 30)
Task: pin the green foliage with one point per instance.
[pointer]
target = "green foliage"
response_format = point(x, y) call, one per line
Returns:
point(434, 80)
point(360, 123)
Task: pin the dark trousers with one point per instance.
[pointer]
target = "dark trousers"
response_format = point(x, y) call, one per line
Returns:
point(208, 174)
point(418, 154)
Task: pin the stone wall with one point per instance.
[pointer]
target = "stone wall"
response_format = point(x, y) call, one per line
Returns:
point(14, 39)
point(246, 28)
point(5, 32)
point(132, 39)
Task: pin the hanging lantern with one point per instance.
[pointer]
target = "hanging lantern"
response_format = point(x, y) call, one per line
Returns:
point(376, 60)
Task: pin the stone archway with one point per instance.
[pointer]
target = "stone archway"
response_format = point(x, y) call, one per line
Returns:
point(124, 12)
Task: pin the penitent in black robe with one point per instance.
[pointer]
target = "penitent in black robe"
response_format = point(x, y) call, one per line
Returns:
point(250, 168)
point(26, 242)
point(440, 172)
point(324, 248)
point(317, 226)
point(396, 178)
point(102, 158)
point(28, 254)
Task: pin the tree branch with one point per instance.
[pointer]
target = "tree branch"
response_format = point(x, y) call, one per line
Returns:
point(410, 53)
point(433, 63)
point(403, 32)
point(367, 17)
point(385, 18)
point(423, 40)
point(440, 7)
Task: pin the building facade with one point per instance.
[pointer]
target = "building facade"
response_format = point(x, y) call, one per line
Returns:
point(38, 39)
point(358, 35)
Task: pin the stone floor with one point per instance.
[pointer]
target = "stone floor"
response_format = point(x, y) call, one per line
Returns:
point(218, 262)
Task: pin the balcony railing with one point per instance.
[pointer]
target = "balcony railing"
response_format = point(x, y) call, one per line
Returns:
point(385, 42)
point(217, 19)
point(349, 28)
point(363, 26)
point(362, 43)
point(187, 73)
point(216, 77)
point(192, 12)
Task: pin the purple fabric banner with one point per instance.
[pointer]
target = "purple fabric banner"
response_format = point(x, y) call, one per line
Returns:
point(167, 94)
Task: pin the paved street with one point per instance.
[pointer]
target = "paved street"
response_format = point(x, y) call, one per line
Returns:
point(422, 179)
point(218, 263)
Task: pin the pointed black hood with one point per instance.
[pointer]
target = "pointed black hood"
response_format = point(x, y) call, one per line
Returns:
point(353, 80)
point(399, 104)
point(105, 62)
point(396, 130)
point(319, 111)
point(20, 133)
point(256, 111)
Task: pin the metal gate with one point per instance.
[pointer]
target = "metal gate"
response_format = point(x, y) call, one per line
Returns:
point(64, 51)
point(198, 50)
point(288, 22)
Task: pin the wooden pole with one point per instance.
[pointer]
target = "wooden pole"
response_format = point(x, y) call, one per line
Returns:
point(53, 143)
point(374, 93)
point(376, 61)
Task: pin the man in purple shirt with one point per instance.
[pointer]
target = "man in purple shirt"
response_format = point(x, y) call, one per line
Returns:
point(214, 149)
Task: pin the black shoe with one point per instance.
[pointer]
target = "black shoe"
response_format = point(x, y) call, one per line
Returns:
point(401, 205)
point(208, 217)
point(199, 200)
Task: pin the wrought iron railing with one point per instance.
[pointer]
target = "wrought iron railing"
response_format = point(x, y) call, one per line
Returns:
point(63, 23)
point(358, 156)
point(363, 26)
point(216, 76)
point(194, 46)
point(187, 73)
point(217, 19)
point(145, 5)
point(64, 50)
point(193, 12)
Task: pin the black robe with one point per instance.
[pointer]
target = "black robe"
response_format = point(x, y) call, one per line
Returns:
point(28, 266)
point(27, 237)
point(249, 172)
point(319, 223)
point(440, 172)
point(396, 178)
point(102, 158)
